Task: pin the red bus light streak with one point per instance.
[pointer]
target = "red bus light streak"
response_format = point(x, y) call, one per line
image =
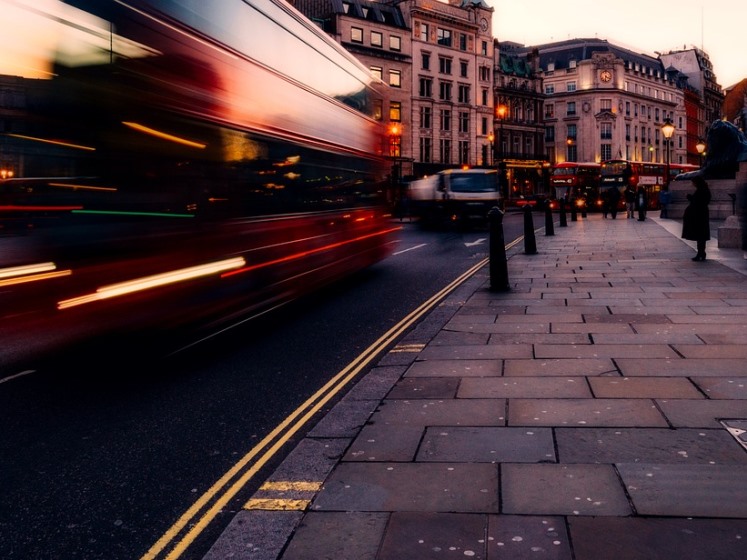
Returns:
point(303, 254)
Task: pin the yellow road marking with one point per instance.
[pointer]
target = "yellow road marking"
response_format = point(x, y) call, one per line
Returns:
point(284, 486)
point(219, 495)
point(269, 504)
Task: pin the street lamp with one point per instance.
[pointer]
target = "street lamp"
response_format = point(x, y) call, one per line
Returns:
point(491, 139)
point(701, 147)
point(501, 111)
point(667, 129)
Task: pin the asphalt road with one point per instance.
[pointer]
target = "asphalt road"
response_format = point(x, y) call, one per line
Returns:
point(104, 449)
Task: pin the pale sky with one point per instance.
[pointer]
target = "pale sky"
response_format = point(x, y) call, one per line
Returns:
point(719, 27)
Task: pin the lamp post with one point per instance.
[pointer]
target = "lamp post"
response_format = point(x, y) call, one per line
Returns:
point(701, 147)
point(667, 129)
point(501, 111)
point(491, 139)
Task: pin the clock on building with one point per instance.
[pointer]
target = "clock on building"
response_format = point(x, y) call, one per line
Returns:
point(605, 76)
point(484, 24)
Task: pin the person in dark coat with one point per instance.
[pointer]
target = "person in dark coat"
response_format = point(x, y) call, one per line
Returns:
point(629, 200)
point(641, 202)
point(613, 200)
point(695, 222)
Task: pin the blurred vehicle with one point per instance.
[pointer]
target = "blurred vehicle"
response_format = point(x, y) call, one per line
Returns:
point(454, 195)
point(167, 161)
point(536, 201)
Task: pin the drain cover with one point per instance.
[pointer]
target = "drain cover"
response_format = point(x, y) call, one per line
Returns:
point(738, 429)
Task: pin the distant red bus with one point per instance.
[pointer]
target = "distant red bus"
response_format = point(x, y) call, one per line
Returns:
point(620, 173)
point(580, 178)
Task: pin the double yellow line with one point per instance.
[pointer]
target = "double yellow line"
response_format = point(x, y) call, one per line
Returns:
point(189, 526)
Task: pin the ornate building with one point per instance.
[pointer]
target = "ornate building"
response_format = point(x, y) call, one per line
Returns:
point(606, 102)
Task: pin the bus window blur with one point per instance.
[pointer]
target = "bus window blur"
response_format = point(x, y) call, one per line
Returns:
point(155, 138)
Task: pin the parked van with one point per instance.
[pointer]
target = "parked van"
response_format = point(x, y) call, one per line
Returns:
point(454, 195)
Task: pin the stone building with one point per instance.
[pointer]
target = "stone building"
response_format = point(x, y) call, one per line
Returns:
point(606, 102)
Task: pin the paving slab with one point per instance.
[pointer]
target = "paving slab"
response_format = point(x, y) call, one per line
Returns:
point(624, 538)
point(644, 388)
point(487, 445)
point(477, 352)
point(521, 537)
point(691, 367)
point(722, 387)
point(562, 366)
point(336, 535)
point(650, 445)
point(701, 414)
point(654, 350)
point(453, 412)
point(424, 487)
point(686, 490)
point(585, 413)
point(456, 368)
point(425, 388)
point(548, 489)
point(524, 387)
point(380, 442)
point(434, 536)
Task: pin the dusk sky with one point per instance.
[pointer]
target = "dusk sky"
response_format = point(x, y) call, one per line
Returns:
point(719, 27)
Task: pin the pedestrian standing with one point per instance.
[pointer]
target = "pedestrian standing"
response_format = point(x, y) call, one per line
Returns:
point(605, 203)
point(695, 222)
point(664, 198)
point(613, 198)
point(641, 202)
point(629, 200)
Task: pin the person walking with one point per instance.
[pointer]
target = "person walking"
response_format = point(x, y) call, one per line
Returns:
point(664, 198)
point(695, 221)
point(641, 202)
point(613, 200)
point(629, 200)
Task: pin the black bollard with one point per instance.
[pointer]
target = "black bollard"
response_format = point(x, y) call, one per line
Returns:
point(563, 218)
point(549, 226)
point(498, 264)
point(530, 242)
point(583, 210)
point(574, 212)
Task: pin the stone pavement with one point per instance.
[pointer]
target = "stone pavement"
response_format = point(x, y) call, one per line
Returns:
point(595, 411)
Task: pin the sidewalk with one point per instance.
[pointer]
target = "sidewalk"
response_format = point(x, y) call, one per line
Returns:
point(595, 411)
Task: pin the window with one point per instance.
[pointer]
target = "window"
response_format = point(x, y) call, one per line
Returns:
point(444, 65)
point(395, 111)
point(572, 63)
point(484, 48)
point(570, 86)
point(627, 108)
point(463, 152)
point(424, 32)
point(463, 68)
point(571, 152)
point(356, 34)
point(377, 39)
point(395, 145)
point(551, 67)
point(571, 108)
point(443, 37)
point(425, 149)
point(549, 89)
point(445, 91)
point(606, 104)
point(549, 111)
point(425, 117)
point(485, 96)
point(627, 132)
point(606, 152)
point(484, 126)
point(426, 61)
point(395, 78)
point(378, 106)
point(572, 131)
point(426, 87)
point(462, 42)
point(395, 43)
point(444, 148)
point(485, 73)
point(463, 95)
point(606, 132)
point(445, 119)
point(549, 134)
point(377, 72)
point(464, 121)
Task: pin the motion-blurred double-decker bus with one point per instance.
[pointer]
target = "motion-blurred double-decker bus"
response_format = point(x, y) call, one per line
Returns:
point(578, 181)
point(172, 160)
point(652, 176)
